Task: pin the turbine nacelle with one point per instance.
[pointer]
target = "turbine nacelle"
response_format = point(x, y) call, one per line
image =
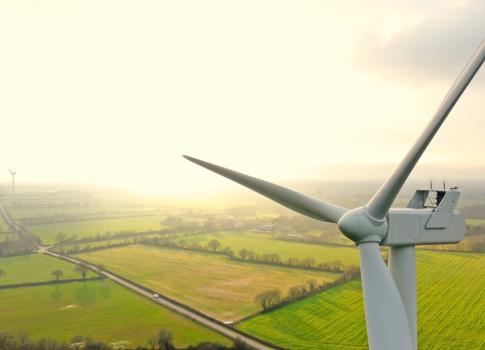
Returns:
point(360, 227)
point(430, 218)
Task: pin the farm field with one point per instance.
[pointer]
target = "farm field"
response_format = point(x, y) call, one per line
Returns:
point(35, 268)
point(451, 310)
point(5, 236)
point(99, 309)
point(475, 222)
point(48, 232)
point(220, 287)
point(263, 243)
point(19, 213)
point(3, 226)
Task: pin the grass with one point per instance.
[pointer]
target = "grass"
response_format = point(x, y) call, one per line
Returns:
point(3, 226)
point(48, 232)
point(220, 287)
point(62, 210)
point(263, 243)
point(35, 268)
point(5, 236)
point(451, 310)
point(99, 309)
point(475, 222)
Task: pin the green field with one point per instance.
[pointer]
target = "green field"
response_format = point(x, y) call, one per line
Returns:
point(35, 268)
point(223, 288)
point(263, 243)
point(3, 226)
point(50, 211)
point(99, 309)
point(5, 236)
point(475, 222)
point(451, 310)
point(88, 228)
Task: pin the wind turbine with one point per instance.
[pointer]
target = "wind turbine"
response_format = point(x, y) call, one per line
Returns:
point(13, 173)
point(389, 291)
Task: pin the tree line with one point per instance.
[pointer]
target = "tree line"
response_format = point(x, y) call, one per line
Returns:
point(62, 238)
point(88, 248)
point(271, 299)
point(53, 219)
point(161, 341)
point(246, 255)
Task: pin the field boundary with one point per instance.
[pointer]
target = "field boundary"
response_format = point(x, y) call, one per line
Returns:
point(202, 251)
point(49, 283)
point(21, 220)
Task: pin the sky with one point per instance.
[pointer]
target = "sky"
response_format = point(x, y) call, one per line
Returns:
point(113, 92)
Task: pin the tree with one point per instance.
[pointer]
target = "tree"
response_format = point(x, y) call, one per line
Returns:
point(308, 262)
point(96, 345)
point(312, 285)
point(262, 299)
point(297, 291)
point(61, 237)
point(337, 265)
point(57, 274)
point(165, 341)
point(214, 244)
point(275, 258)
point(153, 341)
point(293, 293)
point(243, 253)
point(293, 261)
point(82, 269)
point(229, 253)
point(268, 298)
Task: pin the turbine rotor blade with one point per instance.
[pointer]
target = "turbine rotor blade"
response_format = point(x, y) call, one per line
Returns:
point(381, 202)
point(386, 319)
point(298, 202)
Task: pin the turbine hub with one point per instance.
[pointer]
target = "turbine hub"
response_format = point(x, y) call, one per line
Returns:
point(360, 227)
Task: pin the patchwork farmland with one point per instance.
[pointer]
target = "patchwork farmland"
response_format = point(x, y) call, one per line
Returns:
point(216, 285)
point(220, 287)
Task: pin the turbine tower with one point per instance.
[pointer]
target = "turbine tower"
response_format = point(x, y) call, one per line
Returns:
point(389, 291)
point(12, 173)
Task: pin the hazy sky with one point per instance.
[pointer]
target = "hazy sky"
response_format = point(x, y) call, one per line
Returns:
point(113, 92)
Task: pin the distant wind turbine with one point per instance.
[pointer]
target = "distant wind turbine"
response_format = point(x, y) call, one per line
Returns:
point(13, 173)
point(389, 291)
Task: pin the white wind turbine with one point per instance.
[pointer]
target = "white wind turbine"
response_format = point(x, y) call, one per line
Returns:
point(389, 291)
point(12, 173)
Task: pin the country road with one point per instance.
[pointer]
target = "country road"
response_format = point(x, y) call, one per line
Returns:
point(216, 326)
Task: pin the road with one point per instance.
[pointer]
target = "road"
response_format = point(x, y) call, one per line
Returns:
point(218, 327)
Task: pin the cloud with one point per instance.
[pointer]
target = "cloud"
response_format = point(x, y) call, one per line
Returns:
point(426, 43)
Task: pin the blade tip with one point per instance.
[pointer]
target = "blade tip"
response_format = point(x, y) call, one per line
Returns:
point(192, 159)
